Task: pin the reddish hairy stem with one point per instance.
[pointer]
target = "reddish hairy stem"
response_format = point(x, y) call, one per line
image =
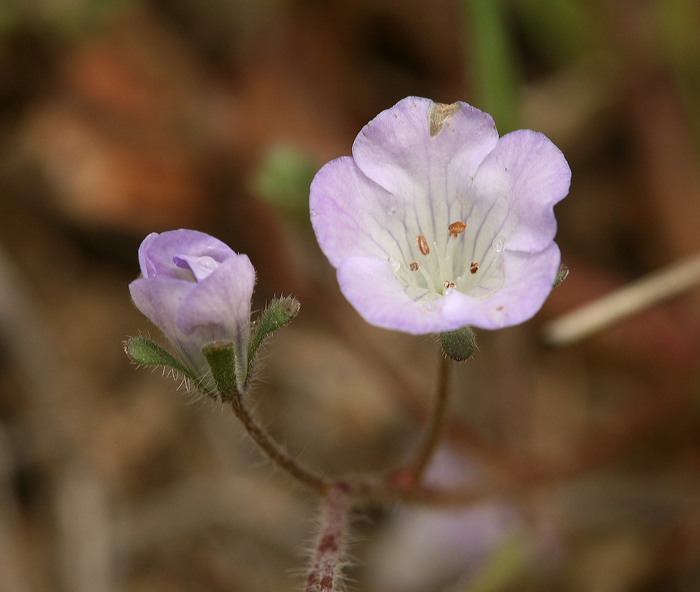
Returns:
point(329, 548)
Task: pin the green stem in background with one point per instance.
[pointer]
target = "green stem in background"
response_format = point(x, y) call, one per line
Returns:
point(275, 453)
point(491, 59)
point(436, 423)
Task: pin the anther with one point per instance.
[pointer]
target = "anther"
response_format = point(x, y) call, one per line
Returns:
point(422, 244)
point(447, 285)
point(440, 259)
point(456, 228)
point(474, 267)
point(414, 266)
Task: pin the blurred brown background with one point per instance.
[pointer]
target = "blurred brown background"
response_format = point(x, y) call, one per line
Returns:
point(122, 117)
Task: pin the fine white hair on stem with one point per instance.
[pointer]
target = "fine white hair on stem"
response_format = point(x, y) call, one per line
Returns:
point(328, 553)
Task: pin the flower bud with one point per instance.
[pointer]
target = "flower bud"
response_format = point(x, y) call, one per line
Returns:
point(459, 344)
point(197, 291)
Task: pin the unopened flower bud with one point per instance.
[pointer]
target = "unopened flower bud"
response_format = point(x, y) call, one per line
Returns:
point(459, 344)
point(197, 291)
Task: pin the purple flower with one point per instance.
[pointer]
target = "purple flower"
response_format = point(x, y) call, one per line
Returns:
point(436, 223)
point(197, 291)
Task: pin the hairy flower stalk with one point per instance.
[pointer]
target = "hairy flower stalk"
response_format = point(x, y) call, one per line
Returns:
point(434, 428)
point(435, 223)
point(329, 548)
point(278, 455)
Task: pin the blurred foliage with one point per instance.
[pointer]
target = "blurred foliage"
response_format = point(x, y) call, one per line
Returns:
point(493, 62)
point(503, 568)
point(562, 33)
point(282, 179)
point(562, 30)
point(62, 17)
point(680, 26)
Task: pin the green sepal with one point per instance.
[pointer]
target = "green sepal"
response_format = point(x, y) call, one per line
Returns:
point(277, 314)
point(459, 344)
point(148, 353)
point(562, 274)
point(221, 359)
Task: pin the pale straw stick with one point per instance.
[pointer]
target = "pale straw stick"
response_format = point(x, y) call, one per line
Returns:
point(634, 298)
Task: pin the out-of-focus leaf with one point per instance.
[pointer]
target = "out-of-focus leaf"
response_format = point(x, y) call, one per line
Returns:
point(491, 58)
point(502, 569)
point(67, 19)
point(283, 179)
point(679, 23)
point(563, 30)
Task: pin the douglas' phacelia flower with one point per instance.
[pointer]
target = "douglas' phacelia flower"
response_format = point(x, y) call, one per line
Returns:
point(197, 291)
point(436, 223)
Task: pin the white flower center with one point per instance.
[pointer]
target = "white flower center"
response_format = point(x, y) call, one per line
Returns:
point(458, 260)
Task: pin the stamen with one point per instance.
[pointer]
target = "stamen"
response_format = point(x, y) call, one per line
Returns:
point(422, 244)
point(474, 267)
point(428, 279)
point(440, 259)
point(441, 281)
point(456, 228)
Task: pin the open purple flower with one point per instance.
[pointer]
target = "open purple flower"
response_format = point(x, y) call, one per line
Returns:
point(197, 291)
point(436, 223)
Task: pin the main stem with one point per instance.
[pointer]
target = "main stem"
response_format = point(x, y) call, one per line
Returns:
point(275, 453)
point(329, 548)
point(431, 437)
